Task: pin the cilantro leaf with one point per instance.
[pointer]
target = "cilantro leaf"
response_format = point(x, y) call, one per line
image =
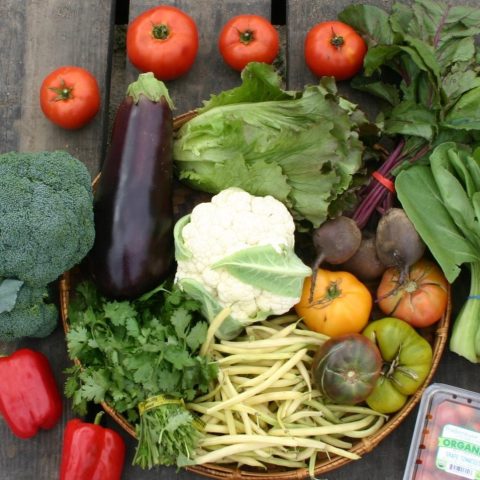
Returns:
point(133, 350)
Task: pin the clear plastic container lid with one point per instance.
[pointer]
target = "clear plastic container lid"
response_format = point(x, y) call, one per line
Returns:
point(446, 439)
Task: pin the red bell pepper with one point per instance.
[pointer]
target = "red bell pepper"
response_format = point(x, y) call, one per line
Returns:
point(91, 452)
point(29, 397)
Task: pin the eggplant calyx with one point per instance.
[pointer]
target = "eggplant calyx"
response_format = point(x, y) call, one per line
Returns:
point(148, 86)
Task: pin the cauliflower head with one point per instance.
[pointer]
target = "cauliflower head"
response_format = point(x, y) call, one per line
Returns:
point(237, 251)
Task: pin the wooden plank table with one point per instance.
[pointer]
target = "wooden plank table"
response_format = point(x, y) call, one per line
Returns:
point(39, 35)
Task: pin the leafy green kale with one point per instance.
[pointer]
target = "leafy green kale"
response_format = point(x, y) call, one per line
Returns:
point(46, 215)
point(131, 351)
point(303, 148)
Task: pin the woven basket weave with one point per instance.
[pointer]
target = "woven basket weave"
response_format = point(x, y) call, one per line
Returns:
point(438, 339)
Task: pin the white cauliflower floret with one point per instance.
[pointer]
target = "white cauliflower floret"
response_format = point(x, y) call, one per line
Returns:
point(235, 221)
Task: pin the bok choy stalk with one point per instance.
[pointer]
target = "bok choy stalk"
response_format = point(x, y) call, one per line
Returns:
point(422, 63)
point(443, 202)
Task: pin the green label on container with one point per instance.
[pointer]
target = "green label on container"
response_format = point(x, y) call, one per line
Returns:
point(459, 452)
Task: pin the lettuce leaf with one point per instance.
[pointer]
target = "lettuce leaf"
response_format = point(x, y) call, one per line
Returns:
point(303, 148)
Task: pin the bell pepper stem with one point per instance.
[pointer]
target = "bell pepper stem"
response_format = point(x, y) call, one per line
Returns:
point(98, 418)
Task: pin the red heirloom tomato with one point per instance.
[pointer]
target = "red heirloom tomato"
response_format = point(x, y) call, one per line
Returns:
point(420, 299)
point(248, 38)
point(70, 97)
point(334, 49)
point(163, 40)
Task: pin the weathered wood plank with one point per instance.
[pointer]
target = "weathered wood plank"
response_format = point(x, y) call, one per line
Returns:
point(209, 73)
point(301, 17)
point(37, 37)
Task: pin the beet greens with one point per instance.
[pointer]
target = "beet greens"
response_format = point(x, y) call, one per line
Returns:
point(422, 64)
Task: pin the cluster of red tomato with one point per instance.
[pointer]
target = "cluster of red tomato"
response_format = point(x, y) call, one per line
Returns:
point(164, 40)
point(449, 443)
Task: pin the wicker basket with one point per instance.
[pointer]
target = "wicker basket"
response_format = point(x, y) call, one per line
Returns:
point(437, 337)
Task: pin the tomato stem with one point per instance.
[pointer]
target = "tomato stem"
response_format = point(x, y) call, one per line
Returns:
point(246, 37)
point(161, 31)
point(63, 92)
point(336, 40)
point(333, 291)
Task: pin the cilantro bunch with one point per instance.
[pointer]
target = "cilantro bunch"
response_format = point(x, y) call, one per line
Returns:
point(423, 68)
point(131, 351)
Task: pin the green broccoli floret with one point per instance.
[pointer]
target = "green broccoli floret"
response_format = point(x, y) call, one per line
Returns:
point(32, 316)
point(46, 215)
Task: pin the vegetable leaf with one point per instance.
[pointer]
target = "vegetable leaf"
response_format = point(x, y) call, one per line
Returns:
point(278, 271)
point(371, 22)
point(302, 148)
point(420, 197)
point(409, 118)
point(259, 83)
point(197, 335)
point(133, 350)
point(465, 114)
point(8, 293)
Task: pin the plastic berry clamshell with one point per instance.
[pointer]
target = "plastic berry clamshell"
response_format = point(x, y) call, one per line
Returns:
point(446, 439)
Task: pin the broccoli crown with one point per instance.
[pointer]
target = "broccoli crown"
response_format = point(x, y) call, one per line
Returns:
point(46, 215)
point(32, 316)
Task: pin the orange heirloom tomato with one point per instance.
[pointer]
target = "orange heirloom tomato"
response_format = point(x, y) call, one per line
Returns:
point(421, 299)
point(163, 40)
point(248, 38)
point(70, 97)
point(340, 303)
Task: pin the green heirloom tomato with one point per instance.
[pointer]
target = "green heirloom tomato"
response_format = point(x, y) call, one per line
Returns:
point(407, 359)
point(346, 368)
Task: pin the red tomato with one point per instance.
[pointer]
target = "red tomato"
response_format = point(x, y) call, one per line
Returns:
point(444, 413)
point(248, 38)
point(466, 414)
point(334, 49)
point(420, 299)
point(163, 40)
point(70, 97)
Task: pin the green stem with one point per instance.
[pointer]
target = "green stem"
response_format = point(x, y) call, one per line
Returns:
point(98, 418)
point(246, 37)
point(160, 31)
point(465, 338)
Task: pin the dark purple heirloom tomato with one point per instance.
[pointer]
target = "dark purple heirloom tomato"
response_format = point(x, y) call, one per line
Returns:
point(346, 368)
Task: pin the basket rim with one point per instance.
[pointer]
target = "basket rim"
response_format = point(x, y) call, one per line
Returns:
point(361, 447)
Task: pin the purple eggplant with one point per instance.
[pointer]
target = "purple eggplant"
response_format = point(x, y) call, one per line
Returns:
point(133, 250)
